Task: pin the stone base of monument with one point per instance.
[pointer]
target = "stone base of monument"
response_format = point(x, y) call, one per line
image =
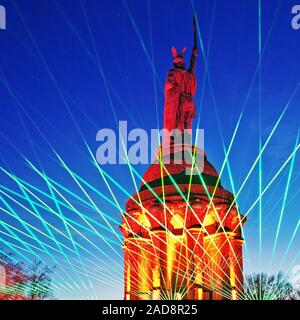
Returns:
point(178, 235)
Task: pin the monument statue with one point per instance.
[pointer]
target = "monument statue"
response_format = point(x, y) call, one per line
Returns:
point(179, 242)
point(180, 88)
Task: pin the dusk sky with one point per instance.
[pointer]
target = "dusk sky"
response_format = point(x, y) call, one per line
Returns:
point(69, 68)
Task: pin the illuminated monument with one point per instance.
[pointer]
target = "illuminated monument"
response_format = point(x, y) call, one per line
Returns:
point(182, 232)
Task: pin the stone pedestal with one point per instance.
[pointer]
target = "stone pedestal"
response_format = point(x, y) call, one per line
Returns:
point(177, 243)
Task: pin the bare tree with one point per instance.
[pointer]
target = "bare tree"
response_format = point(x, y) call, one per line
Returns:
point(260, 286)
point(15, 278)
point(39, 282)
point(25, 282)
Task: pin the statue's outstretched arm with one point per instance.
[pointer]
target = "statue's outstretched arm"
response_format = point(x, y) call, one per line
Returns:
point(195, 49)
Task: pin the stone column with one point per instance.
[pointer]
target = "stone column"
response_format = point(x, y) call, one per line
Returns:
point(195, 263)
point(218, 260)
point(236, 263)
point(159, 239)
point(131, 275)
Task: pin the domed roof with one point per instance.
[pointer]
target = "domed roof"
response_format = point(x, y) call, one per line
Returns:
point(180, 172)
point(167, 179)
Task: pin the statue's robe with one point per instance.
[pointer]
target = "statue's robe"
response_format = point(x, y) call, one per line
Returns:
point(180, 88)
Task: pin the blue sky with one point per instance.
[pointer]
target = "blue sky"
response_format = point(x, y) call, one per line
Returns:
point(87, 64)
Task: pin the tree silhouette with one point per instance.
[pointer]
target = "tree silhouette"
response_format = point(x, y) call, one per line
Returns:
point(39, 282)
point(260, 286)
point(21, 282)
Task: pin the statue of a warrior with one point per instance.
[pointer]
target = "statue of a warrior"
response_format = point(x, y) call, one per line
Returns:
point(180, 88)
